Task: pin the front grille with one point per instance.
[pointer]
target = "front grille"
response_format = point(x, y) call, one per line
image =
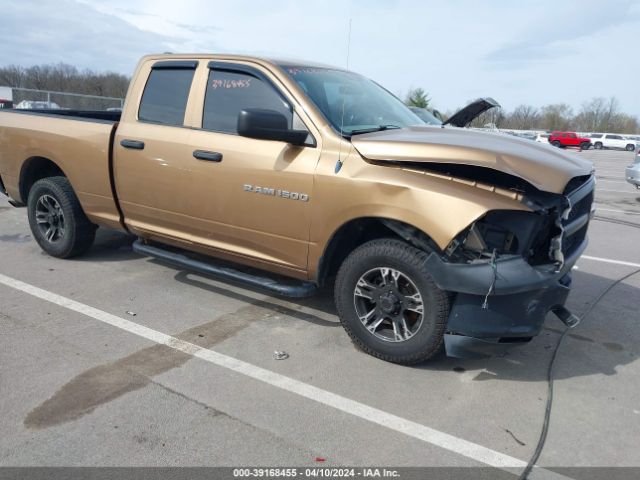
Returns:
point(580, 212)
point(575, 225)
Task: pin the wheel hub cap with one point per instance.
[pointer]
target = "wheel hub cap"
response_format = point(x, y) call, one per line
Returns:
point(388, 304)
point(50, 219)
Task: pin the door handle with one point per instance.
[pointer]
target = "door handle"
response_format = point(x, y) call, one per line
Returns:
point(207, 156)
point(135, 144)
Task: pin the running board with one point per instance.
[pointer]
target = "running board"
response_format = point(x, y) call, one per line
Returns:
point(292, 288)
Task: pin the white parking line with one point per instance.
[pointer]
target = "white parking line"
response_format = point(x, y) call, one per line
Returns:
point(609, 260)
point(598, 209)
point(616, 191)
point(388, 420)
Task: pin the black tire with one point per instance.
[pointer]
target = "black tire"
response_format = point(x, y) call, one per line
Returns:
point(75, 232)
point(585, 145)
point(556, 143)
point(630, 147)
point(598, 146)
point(398, 256)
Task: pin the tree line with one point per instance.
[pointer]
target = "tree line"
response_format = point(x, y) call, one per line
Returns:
point(596, 115)
point(62, 77)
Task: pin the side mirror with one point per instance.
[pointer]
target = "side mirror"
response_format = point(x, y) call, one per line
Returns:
point(268, 125)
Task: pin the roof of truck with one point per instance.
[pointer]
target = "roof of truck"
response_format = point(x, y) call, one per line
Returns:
point(282, 62)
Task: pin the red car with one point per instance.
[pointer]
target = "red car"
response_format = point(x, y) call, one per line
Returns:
point(569, 139)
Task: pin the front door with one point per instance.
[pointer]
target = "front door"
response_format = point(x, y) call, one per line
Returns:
point(255, 195)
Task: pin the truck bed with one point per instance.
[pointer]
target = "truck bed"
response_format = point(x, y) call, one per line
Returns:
point(78, 142)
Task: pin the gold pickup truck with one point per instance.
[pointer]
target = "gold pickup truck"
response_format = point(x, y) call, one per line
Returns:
point(312, 175)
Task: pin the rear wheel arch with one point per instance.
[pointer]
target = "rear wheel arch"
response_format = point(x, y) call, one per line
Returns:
point(359, 231)
point(34, 169)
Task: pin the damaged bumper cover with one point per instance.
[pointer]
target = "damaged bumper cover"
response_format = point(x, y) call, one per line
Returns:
point(504, 301)
point(515, 311)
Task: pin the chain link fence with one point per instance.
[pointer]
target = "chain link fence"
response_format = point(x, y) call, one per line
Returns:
point(36, 99)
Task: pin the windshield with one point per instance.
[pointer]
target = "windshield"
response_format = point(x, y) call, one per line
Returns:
point(367, 106)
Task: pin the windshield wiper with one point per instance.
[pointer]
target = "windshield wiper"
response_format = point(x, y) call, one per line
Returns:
point(378, 128)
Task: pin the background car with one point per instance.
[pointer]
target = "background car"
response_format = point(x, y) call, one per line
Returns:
point(542, 137)
point(37, 105)
point(569, 139)
point(426, 116)
point(613, 140)
point(632, 172)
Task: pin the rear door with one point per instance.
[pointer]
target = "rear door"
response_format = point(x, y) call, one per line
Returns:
point(152, 157)
point(617, 141)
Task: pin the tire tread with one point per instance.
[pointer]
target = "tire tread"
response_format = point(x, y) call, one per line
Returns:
point(82, 231)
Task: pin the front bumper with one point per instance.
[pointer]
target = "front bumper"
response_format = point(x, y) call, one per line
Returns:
point(516, 308)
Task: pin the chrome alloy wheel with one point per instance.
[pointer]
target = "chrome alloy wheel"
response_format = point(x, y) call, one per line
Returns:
point(50, 219)
point(388, 304)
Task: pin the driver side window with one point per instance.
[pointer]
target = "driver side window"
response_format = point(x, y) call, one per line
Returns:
point(230, 92)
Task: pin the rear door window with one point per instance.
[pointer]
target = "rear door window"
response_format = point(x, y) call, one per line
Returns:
point(230, 92)
point(165, 96)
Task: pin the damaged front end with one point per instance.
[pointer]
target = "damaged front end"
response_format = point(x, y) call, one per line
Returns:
point(510, 268)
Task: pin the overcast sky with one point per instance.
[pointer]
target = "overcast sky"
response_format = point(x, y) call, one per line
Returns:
point(525, 51)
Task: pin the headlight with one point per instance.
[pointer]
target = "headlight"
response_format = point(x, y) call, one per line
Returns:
point(507, 232)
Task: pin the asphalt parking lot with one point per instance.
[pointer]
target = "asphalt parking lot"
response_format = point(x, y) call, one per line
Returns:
point(80, 388)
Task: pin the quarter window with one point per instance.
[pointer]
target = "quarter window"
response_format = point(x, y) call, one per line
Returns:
point(228, 93)
point(165, 96)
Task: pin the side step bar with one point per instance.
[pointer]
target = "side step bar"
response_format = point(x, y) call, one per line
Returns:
point(292, 288)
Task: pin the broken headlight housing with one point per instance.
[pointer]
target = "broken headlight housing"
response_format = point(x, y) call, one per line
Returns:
point(505, 232)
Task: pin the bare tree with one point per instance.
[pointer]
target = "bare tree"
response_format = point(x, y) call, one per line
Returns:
point(62, 77)
point(558, 116)
point(523, 117)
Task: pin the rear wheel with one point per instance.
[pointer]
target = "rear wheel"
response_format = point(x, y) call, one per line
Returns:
point(57, 220)
point(631, 147)
point(598, 146)
point(389, 304)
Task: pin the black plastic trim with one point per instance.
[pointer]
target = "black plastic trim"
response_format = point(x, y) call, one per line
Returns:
point(576, 225)
point(175, 65)
point(94, 116)
point(514, 274)
point(585, 189)
point(132, 144)
point(207, 156)
point(293, 289)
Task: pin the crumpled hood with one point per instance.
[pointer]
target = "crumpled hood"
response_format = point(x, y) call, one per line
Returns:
point(545, 167)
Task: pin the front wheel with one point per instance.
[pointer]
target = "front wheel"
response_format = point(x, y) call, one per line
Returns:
point(598, 146)
point(556, 143)
point(389, 304)
point(585, 145)
point(631, 148)
point(57, 220)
